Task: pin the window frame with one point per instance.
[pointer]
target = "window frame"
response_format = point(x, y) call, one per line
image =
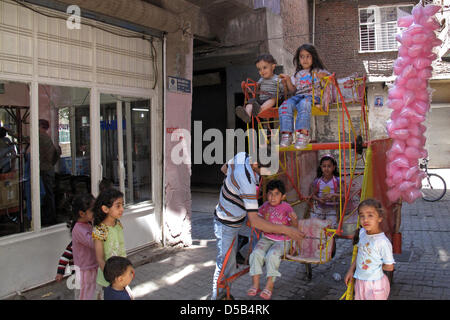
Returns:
point(379, 41)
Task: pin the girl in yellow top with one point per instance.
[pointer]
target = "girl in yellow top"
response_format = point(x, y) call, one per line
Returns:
point(108, 231)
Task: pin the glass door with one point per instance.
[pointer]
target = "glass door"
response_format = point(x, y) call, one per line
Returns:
point(125, 146)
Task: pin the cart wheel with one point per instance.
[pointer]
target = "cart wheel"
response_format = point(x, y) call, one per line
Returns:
point(308, 271)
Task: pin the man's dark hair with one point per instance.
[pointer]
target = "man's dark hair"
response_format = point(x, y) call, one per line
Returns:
point(2, 132)
point(115, 267)
point(44, 124)
point(276, 184)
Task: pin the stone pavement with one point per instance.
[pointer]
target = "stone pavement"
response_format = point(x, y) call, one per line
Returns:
point(186, 274)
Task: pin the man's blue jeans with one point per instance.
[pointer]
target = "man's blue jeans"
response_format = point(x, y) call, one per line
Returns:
point(224, 236)
point(301, 103)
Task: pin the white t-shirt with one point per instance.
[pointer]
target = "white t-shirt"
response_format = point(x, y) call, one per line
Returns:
point(373, 251)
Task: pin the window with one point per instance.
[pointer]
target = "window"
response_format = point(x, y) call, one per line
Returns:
point(378, 27)
point(67, 173)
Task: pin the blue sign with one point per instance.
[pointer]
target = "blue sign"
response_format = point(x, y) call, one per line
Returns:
point(179, 85)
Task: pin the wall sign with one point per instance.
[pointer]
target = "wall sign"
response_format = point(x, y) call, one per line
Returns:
point(179, 85)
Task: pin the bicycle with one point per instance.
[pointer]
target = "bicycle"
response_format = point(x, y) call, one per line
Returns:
point(433, 185)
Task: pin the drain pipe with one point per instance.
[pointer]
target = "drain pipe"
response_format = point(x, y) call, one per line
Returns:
point(164, 92)
point(314, 22)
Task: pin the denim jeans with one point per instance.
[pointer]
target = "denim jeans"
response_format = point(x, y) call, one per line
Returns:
point(224, 235)
point(301, 103)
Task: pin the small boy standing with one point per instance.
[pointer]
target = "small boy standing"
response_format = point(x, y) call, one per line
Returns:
point(119, 272)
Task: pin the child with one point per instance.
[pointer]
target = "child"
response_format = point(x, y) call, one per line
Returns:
point(309, 68)
point(67, 256)
point(83, 245)
point(267, 88)
point(374, 254)
point(270, 247)
point(108, 231)
point(119, 273)
point(65, 259)
point(325, 190)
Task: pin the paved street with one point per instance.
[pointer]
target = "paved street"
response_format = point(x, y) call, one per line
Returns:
point(421, 270)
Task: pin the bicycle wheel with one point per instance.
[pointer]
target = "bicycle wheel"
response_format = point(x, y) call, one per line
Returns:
point(433, 187)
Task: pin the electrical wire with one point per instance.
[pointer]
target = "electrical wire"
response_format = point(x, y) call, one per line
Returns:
point(185, 30)
point(22, 3)
point(142, 35)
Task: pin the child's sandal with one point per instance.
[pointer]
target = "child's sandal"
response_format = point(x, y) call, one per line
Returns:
point(266, 294)
point(252, 292)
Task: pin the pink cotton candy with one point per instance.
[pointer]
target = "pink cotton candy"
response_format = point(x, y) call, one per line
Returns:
point(395, 114)
point(398, 70)
point(395, 104)
point(393, 194)
point(415, 50)
point(419, 38)
point(422, 128)
point(398, 146)
point(437, 43)
point(414, 130)
point(422, 95)
point(401, 123)
point(413, 83)
point(391, 155)
point(401, 134)
point(417, 12)
point(401, 162)
point(396, 93)
point(409, 72)
point(415, 28)
point(411, 173)
point(413, 142)
point(397, 176)
point(432, 24)
point(431, 10)
point(390, 169)
point(405, 185)
point(405, 39)
point(408, 97)
point(411, 195)
point(401, 81)
point(424, 73)
point(412, 153)
point(405, 21)
point(421, 63)
point(421, 107)
point(424, 153)
point(403, 51)
point(432, 56)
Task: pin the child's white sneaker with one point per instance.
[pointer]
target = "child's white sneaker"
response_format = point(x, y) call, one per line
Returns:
point(286, 140)
point(301, 141)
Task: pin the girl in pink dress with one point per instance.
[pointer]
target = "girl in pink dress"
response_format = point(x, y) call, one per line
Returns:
point(270, 247)
point(83, 246)
point(325, 190)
